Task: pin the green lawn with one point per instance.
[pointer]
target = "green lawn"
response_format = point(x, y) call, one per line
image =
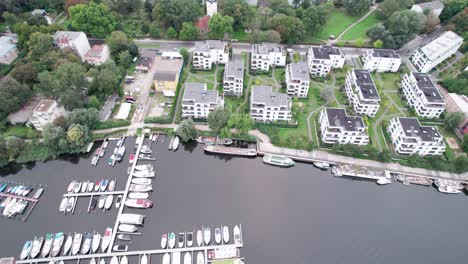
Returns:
point(241, 35)
point(148, 45)
point(22, 132)
point(336, 23)
point(232, 103)
point(279, 74)
point(390, 80)
point(359, 31)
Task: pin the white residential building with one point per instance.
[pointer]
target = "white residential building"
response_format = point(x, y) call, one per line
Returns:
point(409, 137)
point(436, 51)
point(435, 7)
point(233, 81)
point(45, 113)
point(98, 54)
point(211, 7)
point(266, 106)
point(208, 52)
point(198, 101)
point(74, 41)
point(362, 93)
point(422, 95)
point(322, 59)
point(381, 60)
point(337, 127)
point(297, 79)
point(266, 55)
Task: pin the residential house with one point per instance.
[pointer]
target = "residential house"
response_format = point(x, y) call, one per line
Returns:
point(45, 113)
point(8, 50)
point(211, 7)
point(435, 7)
point(381, 60)
point(145, 60)
point(233, 80)
point(456, 103)
point(265, 55)
point(436, 51)
point(266, 106)
point(336, 127)
point(198, 101)
point(74, 41)
point(98, 54)
point(167, 69)
point(362, 93)
point(208, 52)
point(410, 137)
point(297, 79)
point(422, 95)
point(322, 59)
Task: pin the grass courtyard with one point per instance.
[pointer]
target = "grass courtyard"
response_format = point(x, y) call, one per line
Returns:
point(337, 22)
point(359, 30)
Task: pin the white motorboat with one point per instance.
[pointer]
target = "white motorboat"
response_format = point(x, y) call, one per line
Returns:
point(133, 219)
point(142, 181)
point(166, 258)
point(139, 203)
point(175, 143)
point(138, 195)
point(70, 204)
point(226, 234)
point(9, 207)
point(171, 240)
point(102, 201)
point(124, 260)
point(90, 186)
point(84, 187)
point(106, 239)
point(236, 232)
point(97, 185)
point(199, 237)
point(144, 174)
point(63, 204)
point(76, 243)
point(124, 237)
point(206, 235)
point(322, 165)
point(77, 187)
point(103, 185)
point(88, 240)
point(71, 187)
point(102, 261)
point(36, 246)
point(448, 189)
point(383, 181)
point(127, 228)
point(92, 261)
point(218, 235)
point(140, 188)
point(49, 240)
point(120, 248)
point(144, 259)
point(96, 242)
point(189, 239)
point(144, 167)
point(118, 201)
point(200, 258)
point(181, 240)
point(187, 258)
point(109, 200)
point(278, 160)
point(164, 241)
point(114, 260)
point(68, 244)
point(58, 243)
point(26, 249)
point(38, 193)
point(111, 186)
point(175, 257)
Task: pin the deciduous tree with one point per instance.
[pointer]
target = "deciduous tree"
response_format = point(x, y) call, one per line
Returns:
point(451, 8)
point(220, 25)
point(175, 12)
point(452, 120)
point(240, 11)
point(378, 44)
point(218, 119)
point(186, 130)
point(95, 19)
point(12, 95)
point(357, 7)
point(171, 33)
point(188, 32)
point(290, 28)
point(315, 17)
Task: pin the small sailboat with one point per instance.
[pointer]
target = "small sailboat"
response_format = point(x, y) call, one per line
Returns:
point(118, 201)
point(181, 240)
point(76, 243)
point(109, 200)
point(199, 237)
point(187, 258)
point(207, 235)
point(189, 239)
point(68, 244)
point(175, 143)
point(114, 260)
point(143, 181)
point(96, 242)
point(127, 228)
point(236, 232)
point(144, 259)
point(88, 240)
point(36, 246)
point(226, 234)
point(164, 241)
point(26, 250)
point(138, 195)
point(63, 204)
point(106, 239)
point(90, 186)
point(111, 186)
point(103, 186)
point(110, 161)
point(124, 260)
point(166, 258)
point(49, 240)
point(218, 235)
point(58, 243)
point(171, 240)
point(200, 258)
point(102, 201)
point(97, 185)
point(124, 237)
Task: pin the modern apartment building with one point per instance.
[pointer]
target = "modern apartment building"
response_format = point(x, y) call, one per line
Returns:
point(45, 113)
point(337, 127)
point(381, 60)
point(297, 79)
point(322, 59)
point(233, 80)
point(362, 93)
point(266, 106)
point(198, 101)
point(265, 55)
point(208, 52)
point(422, 95)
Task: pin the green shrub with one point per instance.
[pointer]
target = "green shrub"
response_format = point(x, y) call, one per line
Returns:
point(112, 124)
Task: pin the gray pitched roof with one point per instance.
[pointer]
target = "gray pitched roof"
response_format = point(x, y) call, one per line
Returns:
point(299, 71)
point(265, 95)
point(199, 93)
point(324, 52)
point(235, 68)
point(337, 117)
point(366, 84)
point(425, 84)
point(412, 128)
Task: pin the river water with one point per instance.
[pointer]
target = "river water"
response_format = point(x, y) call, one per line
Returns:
point(294, 215)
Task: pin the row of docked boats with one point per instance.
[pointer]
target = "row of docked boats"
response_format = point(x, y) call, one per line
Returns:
point(448, 186)
point(16, 189)
point(119, 152)
point(214, 141)
point(54, 244)
point(99, 153)
point(89, 186)
point(203, 237)
point(175, 258)
point(10, 207)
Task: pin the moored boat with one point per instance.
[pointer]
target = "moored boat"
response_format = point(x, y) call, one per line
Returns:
point(237, 236)
point(118, 201)
point(171, 240)
point(200, 258)
point(175, 257)
point(88, 240)
point(109, 200)
point(124, 237)
point(58, 243)
point(321, 165)
point(77, 187)
point(181, 240)
point(187, 258)
point(143, 181)
point(164, 241)
point(36, 246)
point(231, 151)
point(84, 187)
point(144, 167)
point(139, 203)
point(77, 238)
point(144, 174)
point(226, 234)
point(140, 188)
point(138, 195)
point(96, 242)
point(144, 259)
point(278, 160)
point(97, 185)
point(199, 237)
point(26, 250)
point(102, 201)
point(103, 185)
point(124, 260)
point(102, 261)
point(131, 158)
point(206, 235)
point(92, 261)
point(71, 187)
point(68, 244)
point(175, 143)
point(63, 204)
point(189, 238)
point(90, 186)
point(114, 260)
point(128, 228)
point(120, 248)
point(106, 239)
point(217, 234)
point(166, 258)
point(49, 240)
point(111, 186)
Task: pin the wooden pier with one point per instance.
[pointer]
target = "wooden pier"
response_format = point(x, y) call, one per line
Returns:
point(29, 199)
point(92, 194)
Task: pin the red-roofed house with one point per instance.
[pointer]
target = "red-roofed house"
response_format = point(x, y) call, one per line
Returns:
point(202, 24)
point(98, 54)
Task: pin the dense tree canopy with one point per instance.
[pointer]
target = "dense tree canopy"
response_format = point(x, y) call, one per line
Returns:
point(388, 7)
point(186, 130)
point(290, 28)
point(240, 11)
point(315, 17)
point(357, 7)
point(12, 95)
point(188, 32)
point(92, 18)
point(451, 8)
point(175, 12)
point(218, 119)
point(220, 25)
point(126, 6)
